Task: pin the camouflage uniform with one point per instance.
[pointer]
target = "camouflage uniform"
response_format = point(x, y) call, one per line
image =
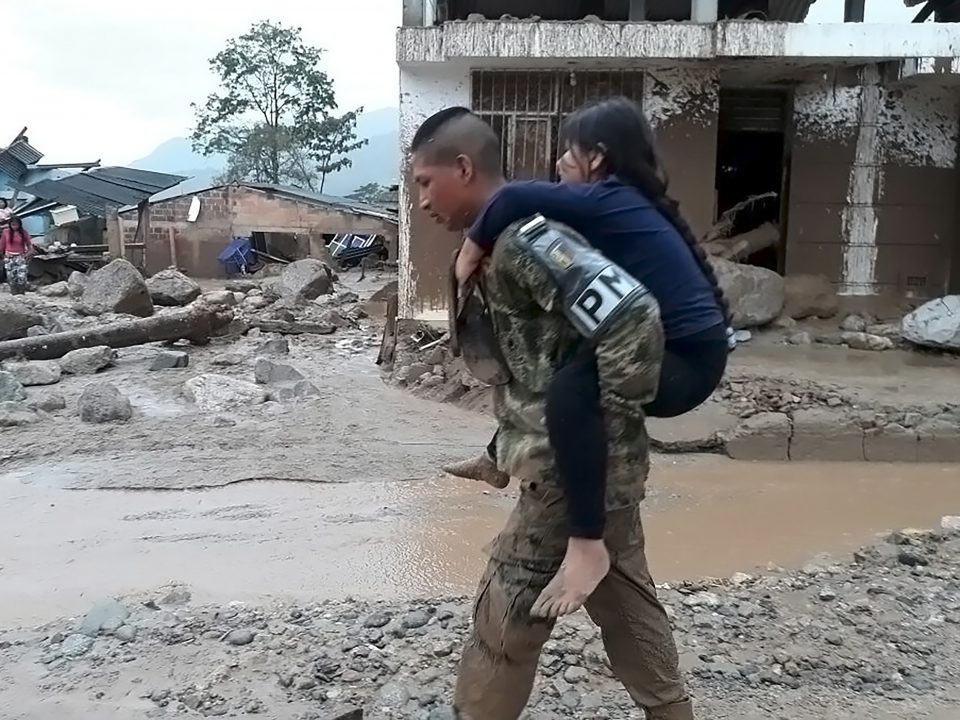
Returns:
point(500, 659)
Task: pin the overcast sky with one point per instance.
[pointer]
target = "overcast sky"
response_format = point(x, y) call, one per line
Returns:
point(112, 79)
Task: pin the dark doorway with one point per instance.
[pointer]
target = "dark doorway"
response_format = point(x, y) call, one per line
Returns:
point(751, 177)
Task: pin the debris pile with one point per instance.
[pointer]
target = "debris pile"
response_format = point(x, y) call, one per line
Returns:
point(876, 634)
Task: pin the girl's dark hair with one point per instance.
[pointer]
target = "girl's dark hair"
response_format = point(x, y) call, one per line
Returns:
point(618, 129)
point(15, 224)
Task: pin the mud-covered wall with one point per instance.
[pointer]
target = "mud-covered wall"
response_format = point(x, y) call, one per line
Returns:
point(682, 105)
point(425, 248)
point(874, 185)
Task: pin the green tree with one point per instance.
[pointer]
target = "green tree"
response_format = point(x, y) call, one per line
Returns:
point(373, 193)
point(274, 114)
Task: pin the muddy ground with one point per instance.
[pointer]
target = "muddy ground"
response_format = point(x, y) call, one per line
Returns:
point(267, 517)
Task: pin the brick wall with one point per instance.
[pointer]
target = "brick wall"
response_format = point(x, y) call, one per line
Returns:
point(237, 211)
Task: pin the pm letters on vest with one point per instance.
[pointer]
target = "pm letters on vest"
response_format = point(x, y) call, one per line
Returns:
point(603, 295)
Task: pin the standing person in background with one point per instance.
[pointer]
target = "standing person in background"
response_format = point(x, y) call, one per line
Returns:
point(5, 213)
point(15, 249)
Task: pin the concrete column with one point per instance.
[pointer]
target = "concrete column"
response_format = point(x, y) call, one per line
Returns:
point(704, 11)
point(413, 13)
point(638, 11)
point(853, 10)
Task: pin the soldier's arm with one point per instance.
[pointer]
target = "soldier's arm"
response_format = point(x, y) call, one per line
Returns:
point(609, 308)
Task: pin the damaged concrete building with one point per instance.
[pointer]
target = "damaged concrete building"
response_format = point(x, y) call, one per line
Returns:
point(849, 128)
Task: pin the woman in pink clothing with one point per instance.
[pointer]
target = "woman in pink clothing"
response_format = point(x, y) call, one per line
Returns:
point(15, 249)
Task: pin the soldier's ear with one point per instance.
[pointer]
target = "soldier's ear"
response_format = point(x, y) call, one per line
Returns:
point(465, 168)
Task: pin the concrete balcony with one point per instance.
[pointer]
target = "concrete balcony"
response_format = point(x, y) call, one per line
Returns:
point(506, 42)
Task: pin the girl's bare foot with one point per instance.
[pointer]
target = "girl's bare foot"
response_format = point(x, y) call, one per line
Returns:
point(585, 565)
point(482, 468)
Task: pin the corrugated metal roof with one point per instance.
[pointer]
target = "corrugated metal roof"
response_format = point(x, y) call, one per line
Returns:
point(93, 192)
point(24, 152)
point(292, 193)
point(284, 191)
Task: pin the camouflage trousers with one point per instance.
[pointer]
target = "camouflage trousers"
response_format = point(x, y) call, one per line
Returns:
point(499, 662)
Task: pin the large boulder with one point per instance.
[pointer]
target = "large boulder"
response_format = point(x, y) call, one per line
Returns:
point(16, 317)
point(15, 414)
point(755, 294)
point(810, 296)
point(76, 284)
point(172, 288)
point(87, 361)
point(38, 372)
point(217, 393)
point(305, 280)
point(102, 402)
point(934, 324)
point(116, 288)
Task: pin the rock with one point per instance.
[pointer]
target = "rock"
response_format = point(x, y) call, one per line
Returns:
point(116, 288)
point(76, 645)
point(10, 388)
point(809, 296)
point(57, 289)
point(765, 436)
point(220, 297)
point(799, 338)
point(755, 294)
point(866, 341)
point(106, 616)
point(305, 280)
point(169, 360)
point(274, 346)
point(172, 288)
point(950, 522)
point(576, 674)
point(37, 372)
point(415, 619)
point(16, 414)
point(229, 359)
point(827, 595)
point(47, 402)
point(102, 402)
point(377, 620)
point(267, 371)
point(912, 558)
point(88, 361)
point(76, 283)
point(854, 323)
point(217, 393)
point(934, 324)
point(240, 637)
point(288, 392)
point(16, 317)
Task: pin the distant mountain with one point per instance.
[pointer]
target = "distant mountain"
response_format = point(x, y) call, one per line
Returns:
point(378, 161)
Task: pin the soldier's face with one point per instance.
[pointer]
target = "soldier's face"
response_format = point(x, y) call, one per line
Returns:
point(447, 192)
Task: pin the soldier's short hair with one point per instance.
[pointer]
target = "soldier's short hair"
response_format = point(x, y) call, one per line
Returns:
point(456, 131)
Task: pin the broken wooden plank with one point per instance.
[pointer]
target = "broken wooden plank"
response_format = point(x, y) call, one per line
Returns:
point(197, 323)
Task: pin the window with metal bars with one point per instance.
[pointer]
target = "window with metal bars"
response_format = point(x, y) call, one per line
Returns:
point(527, 107)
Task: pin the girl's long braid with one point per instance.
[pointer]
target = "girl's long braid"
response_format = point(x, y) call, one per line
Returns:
point(649, 183)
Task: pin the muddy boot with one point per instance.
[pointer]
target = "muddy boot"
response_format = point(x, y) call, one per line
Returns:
point(481, 468)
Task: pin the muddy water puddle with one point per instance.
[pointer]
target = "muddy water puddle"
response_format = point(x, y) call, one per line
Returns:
point(64, 549)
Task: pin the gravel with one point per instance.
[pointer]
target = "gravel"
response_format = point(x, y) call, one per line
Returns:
point(877, 634)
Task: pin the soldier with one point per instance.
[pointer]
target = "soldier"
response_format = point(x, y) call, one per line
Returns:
point(545, 291)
